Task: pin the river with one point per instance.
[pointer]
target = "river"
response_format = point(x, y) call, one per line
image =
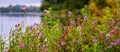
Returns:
point(8, 22)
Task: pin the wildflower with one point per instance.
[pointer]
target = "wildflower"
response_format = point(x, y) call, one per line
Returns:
point(22, 45)
point(71, 26)
point(45, 45)
point(62, 43)
point(17, 25)
point(112, 43)
point(95, 23)
point(40, 37)
point(79, 27)
point(85, 19)
point(31, 28)
point(5, 50)
point(112, 22)
point(72, 22)
point(74, 41)
point(78, 41)
point(107, 36)
point(116, 27)
point(69, 13)
point(39, 45)
point(118, 41)
point(113, 31)
point(119, 22)
point(101, 33)
point(64, 32)
point(79, 18)
point(94, 40)
point(13, 34)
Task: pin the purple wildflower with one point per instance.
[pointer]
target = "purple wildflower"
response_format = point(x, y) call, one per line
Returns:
point(62, 43)
point(39, 45)
point(13, 34)
point(94, 40)
point(95, 23)
point(73, 22)
point(112, 22)
point(71, 26)
point(79, 27)
point(119, 22)
point(31, 28)
point(22, 45)
point(116, 27)
point(17, 25)
point(74, 41)
point(118, 41)
point(5, 50)
point(85, 19)
point(101, 33)
point(78, 41)
point(112, 43)
point(107, 36)
point(79, 18)
point(64, 32)
point(40, 37)
point(113, 31)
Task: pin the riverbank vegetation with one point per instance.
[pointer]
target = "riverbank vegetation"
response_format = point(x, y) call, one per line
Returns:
point(92, 29)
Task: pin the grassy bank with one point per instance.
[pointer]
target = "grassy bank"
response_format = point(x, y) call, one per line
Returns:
point(80, 33)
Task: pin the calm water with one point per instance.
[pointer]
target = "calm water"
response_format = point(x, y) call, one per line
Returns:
point(8, 22)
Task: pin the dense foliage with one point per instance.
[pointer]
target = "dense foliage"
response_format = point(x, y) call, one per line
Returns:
point(84, 34)
point(90, 31)
point(64, 4)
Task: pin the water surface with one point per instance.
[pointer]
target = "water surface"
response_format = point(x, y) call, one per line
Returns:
point(8, 22)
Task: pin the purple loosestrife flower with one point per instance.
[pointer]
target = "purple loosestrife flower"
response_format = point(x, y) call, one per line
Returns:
point(62, 43)
point(118, 41)
point(107, 36)
point(22, 45)
point(85, 19)
point(94, 40)
point(112, 22)
point(112, 43)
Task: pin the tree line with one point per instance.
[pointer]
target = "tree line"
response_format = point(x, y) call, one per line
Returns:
point(18, 8)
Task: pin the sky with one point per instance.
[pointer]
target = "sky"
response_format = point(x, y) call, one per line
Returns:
point(5, 3)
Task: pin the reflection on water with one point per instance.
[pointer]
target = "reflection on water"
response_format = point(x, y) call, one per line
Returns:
point(8, 22)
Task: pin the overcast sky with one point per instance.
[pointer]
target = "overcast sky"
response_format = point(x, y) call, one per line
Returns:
point(20, 2)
